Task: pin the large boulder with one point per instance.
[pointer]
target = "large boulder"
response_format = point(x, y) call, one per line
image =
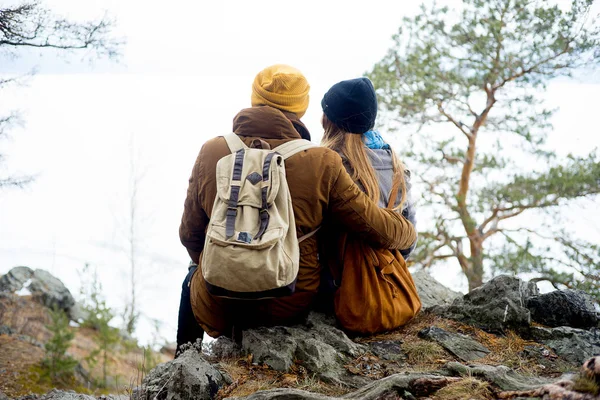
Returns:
point(572, 308)
point(572, 344)
point(318, 345)
point(44, 288)
point(50, 291)
point(15, 279)
point(496, 306)
point(431, 292)
point(224, 348)
point(188, 377)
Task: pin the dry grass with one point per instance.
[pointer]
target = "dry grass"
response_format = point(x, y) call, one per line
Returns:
point(424, 353)
point(508, 351)
point(584, 384)
point(465, 389)
point(248, 379)
point(410, 330)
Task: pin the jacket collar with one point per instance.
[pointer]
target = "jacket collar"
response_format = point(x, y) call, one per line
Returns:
point(298, 125)
point(264, 122)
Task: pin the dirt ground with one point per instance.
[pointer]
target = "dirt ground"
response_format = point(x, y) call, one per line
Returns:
point(22, 351)
point(16, 359)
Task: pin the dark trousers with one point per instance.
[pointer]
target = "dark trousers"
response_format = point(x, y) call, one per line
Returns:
point(188, 329)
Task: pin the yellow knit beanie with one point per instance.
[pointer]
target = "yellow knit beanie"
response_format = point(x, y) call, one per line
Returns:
point(282, 87)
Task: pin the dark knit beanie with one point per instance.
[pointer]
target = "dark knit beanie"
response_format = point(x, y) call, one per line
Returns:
point(351, 105)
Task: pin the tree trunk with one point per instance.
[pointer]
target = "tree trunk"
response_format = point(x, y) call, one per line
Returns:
point(475, 275)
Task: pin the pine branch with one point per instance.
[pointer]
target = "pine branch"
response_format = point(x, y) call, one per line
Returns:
point(533, 68)
point(461, 126)
point(553, 281)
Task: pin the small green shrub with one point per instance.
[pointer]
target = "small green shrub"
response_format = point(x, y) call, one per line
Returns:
point(56, 363)
point(98, 317)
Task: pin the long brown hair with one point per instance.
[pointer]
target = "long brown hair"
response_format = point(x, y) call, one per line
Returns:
point(352, 148)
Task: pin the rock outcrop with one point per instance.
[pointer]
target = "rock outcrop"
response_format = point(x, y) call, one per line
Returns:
point(44, 287)
point(432, 292)
point(188, 377)
point(26, 297)
point(460, 343)
point(15, 279)
point(502, 305)
point(388, 349)
point(461, 346)
point(318, 345)
point(564, 308)
point(70, 395)
point(497, 306)
point(572, 344)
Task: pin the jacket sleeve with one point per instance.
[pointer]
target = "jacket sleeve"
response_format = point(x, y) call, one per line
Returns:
point(192, 230)
point(357, 214)
point(410, 213)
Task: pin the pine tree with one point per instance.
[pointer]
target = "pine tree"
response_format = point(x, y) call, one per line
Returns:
point(56, 363)
point(479, 72)
point(98, 317)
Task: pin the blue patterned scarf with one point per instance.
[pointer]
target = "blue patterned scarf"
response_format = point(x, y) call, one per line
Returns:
point(373, 140)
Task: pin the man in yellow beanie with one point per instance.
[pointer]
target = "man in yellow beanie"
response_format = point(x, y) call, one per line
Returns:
point(320, 189)
point(285, 88)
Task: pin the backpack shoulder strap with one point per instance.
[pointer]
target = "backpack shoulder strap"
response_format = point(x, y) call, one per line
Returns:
point(234, 142)
point(292, 147)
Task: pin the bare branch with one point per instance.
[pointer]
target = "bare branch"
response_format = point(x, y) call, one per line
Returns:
point(533, 68)
point(463, 128)
point(451, 159)
point(553, 281)
point(489, 219)
point(15, 182)
point(433, 256)
point(467, 105)
point(31, 25)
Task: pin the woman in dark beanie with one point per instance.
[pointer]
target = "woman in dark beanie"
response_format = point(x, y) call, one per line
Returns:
point(349, 112)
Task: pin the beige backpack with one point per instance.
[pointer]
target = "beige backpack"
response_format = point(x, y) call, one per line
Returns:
point(251, 249)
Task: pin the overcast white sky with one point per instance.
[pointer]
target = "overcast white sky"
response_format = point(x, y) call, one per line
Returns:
point(187, 70)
